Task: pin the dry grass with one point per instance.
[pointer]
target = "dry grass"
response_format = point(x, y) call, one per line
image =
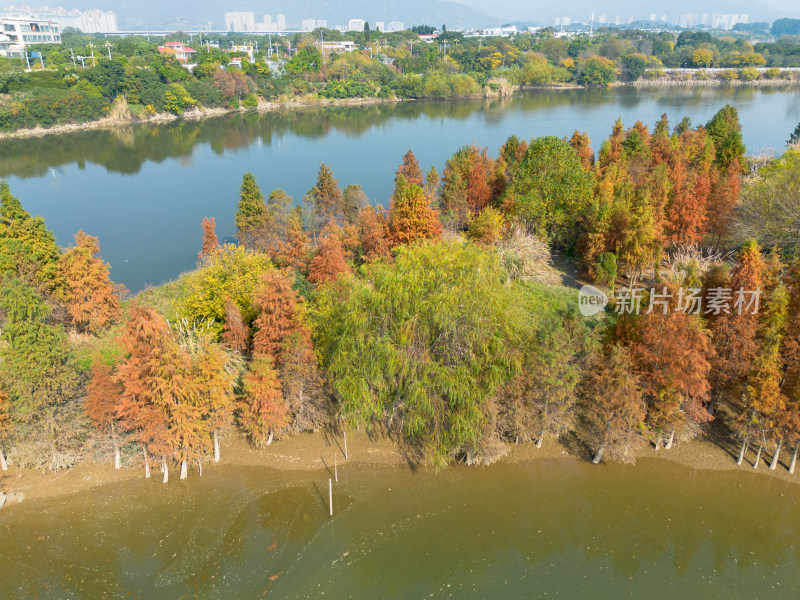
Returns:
point(527, 257)
point(679, 260)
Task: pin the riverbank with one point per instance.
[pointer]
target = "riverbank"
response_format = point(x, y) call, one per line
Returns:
point(125, 118)
point(122, 117)
point(310, 452)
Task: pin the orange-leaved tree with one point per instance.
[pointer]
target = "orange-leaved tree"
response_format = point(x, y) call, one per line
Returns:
point(411, 216)
point(261, 411)
point(91, 300)
point(236, 333)
point(612, 407)
point(279, 314)
point(670, 352)
point(102, 402)
point(374, 235)
point(329, 262)
point(409, 170)
point(210, 241)
point(142, 411)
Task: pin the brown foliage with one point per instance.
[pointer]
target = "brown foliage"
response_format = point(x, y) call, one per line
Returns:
point(612, 404)
point(236, 333)
point(583, 146)
point(210, 242)
point(329, 262)
point(374, 234)
point(103, 399)
point(670, 353)
point(279, 314)
point(409, 170)
point(294, 252)
point(91, 303)
point(411, 216)
point(262, 411)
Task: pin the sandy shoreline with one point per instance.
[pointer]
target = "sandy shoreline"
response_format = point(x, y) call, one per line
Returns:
point(315, 452)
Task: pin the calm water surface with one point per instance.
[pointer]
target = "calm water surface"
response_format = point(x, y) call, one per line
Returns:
point(551, 529)
point(144, 190)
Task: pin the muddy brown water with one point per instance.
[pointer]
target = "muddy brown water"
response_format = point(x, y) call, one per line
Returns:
point(551, 528)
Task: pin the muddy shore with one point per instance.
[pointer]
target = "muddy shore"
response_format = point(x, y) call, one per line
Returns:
point(315, 452)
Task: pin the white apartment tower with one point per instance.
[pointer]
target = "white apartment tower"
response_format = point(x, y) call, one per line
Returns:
point(356, 25)
point(240, 21)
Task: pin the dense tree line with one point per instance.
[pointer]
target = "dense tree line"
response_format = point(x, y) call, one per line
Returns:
point(428, 320)
point(387, 65)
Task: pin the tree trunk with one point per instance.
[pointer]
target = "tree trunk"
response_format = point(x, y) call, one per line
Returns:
point(165, 470)
point(540, 439)
point(741, 453)
point(216, 447)
point(184, 469)
point(773, 465)
point(269, 439)
point(3, 463)
point(117, 458)
point(599, 456)
point(794, 461)
point(658, 443)
point(670, 440)
point(200, 467)
point(146, 464)
point(758, 456)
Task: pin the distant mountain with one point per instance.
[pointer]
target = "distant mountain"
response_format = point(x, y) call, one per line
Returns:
point(150, 14)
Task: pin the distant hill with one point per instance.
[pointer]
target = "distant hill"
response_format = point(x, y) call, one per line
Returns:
point(140, 14)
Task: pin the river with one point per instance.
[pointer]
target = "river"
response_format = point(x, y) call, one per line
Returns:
point(143, 190)
point(543, 529)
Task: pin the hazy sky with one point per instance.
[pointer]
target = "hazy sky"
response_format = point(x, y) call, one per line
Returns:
point(530, 8)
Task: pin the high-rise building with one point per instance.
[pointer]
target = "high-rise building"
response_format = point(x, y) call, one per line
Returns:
point(240, 21)
point(322, 24)
point(87, 21)
point(309, 24)
point(280, 22)
point(380, 26)
point(356, 25)
point(395, 26)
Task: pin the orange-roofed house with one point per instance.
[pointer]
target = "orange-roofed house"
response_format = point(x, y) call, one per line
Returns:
point(181, 52)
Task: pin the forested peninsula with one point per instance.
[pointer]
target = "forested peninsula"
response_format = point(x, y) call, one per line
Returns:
point(445, 323)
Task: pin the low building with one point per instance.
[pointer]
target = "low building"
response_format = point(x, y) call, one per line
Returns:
point(500, 31)
point(331, 47)
point(16, 34)
point(178, 50)
point(428, 37)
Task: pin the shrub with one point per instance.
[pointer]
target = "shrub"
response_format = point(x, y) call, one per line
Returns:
point(748, 74)
point(250, 101)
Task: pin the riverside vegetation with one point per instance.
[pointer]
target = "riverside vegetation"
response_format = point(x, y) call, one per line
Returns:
point(133, 80)
point(432, 322)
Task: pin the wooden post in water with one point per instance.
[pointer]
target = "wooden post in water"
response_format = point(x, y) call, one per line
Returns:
point(330, 493)
point(335, 469)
